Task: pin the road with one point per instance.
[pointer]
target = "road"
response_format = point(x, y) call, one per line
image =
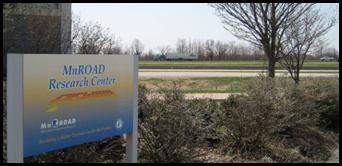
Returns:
point(190, 96)
point(174, 73)
point(214, 96)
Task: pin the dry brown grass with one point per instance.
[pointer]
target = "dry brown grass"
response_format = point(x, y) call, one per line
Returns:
point(193, 85)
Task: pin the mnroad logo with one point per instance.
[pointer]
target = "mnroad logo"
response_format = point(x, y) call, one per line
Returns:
point(56, 123)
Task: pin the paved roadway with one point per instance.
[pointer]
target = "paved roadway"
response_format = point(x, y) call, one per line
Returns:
point(174, 73)
point(214, 96)
point(190, 96)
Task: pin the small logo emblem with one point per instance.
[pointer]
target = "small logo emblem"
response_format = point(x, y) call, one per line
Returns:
point(119, 124)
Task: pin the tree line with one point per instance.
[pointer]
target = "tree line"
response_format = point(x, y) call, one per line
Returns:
point(209, 50)
point(93, 38)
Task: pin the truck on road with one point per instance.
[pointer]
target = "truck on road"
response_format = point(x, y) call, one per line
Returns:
point(327, 58)
point(176, 56)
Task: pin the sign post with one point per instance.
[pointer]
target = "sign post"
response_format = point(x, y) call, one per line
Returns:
point(15, 109)
point(132, 139)
point(59, 100)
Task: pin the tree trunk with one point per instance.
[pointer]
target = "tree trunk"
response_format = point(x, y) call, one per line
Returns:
point(296, 77)
point(271, 67)
point(296, 81)
point(271, 60)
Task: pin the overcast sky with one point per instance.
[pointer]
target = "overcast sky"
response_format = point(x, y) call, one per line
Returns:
point(160, 24)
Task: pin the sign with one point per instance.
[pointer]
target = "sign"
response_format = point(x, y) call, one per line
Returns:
point(66, 100)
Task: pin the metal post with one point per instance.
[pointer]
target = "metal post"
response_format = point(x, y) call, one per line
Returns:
point(132, 138)
point(15, 108)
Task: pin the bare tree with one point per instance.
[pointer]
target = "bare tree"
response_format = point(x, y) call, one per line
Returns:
point(257, 53)
point(300, 39)
point(261, 24)
point(200, 49)
point(321, 45)
point(220, 49)
point(92, 38)
point(210, 49)
point(164, 49)
point(127, 50)
point(137, 47)
point(231, 49)
point(191, 46)
point(113, 46)
point(181, 46)
point(149, 55)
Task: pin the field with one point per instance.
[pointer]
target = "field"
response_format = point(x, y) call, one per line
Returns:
point(206, 84)
point(228, 65)
point(198, 85)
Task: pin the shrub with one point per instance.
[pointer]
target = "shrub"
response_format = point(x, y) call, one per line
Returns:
point(325, 93)
point(272, 111)
point(4, 123)
point(209, 111)
point(330, 116)
point(107, 150)
point(170, 130)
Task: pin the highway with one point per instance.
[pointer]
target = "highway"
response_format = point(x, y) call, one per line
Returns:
point(174, 73)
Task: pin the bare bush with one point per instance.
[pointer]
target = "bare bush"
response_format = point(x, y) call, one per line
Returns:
point(273, 112)
point(4, 122)
point(324, 92)
point(110, 150)
point(170, 130)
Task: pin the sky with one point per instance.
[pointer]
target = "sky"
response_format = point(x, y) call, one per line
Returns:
point(161, 24)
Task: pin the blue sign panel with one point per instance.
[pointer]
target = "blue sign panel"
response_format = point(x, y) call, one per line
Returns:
point(74, 99)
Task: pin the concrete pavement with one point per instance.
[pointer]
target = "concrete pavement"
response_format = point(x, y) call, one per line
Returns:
point(190, 96)
point(174, 73)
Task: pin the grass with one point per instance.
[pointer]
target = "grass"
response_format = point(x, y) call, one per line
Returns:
point(246, 71)
point(207, 85)
point(222, 80)
point(199, 85)
point(211, 79)
point(201, 62)
point(237, 64)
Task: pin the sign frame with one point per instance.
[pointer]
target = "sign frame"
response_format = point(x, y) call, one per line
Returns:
point(15, 110)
